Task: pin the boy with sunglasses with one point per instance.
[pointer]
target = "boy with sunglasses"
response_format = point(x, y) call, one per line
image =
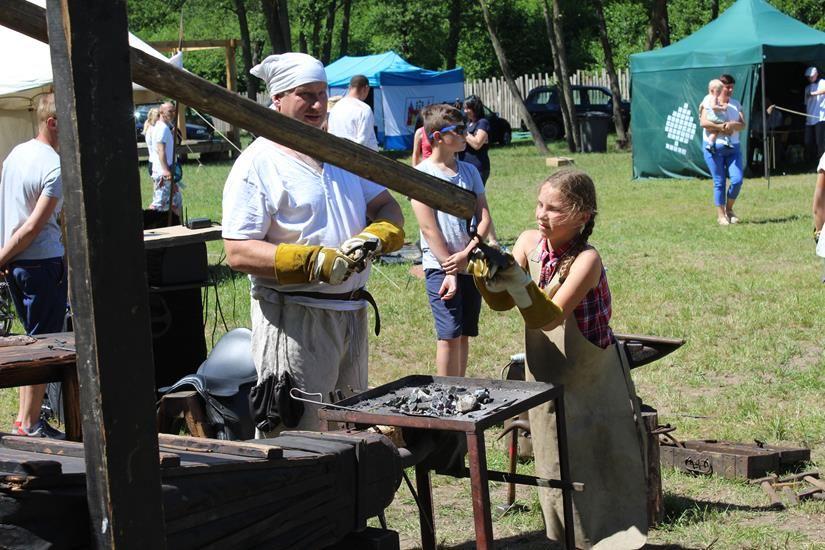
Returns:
point(446, 241)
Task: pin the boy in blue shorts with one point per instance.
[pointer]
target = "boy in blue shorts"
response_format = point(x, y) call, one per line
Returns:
point(446, 243)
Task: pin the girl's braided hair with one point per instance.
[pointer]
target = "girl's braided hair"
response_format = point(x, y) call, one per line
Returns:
point(579, 195)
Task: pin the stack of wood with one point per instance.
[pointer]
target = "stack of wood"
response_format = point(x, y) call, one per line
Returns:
point(299, 490)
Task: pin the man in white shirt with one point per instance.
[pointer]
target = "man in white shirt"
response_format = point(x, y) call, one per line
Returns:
point(31, 252)
point(305, 232)
point(351, 118)
point(815, 107)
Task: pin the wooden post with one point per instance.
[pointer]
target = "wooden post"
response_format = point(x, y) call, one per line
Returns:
point(232, 86)
point(90, 57)
point(152, 73)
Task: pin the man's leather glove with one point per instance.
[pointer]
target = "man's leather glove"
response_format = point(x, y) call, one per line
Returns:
point(379, 237)
point(298, 263)
point(535, 306)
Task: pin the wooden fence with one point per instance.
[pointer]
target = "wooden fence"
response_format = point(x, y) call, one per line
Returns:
point(496, 95)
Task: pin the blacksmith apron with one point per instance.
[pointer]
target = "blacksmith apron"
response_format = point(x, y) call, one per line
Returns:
point(604, 435)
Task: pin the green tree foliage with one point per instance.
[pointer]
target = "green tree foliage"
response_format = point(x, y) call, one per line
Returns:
point(418, 30)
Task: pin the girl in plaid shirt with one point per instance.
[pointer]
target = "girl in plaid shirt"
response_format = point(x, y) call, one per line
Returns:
point(559, 284)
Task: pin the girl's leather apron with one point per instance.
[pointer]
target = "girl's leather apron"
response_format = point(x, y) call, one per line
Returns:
point(605, 436)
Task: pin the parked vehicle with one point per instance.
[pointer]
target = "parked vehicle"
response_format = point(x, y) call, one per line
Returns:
point(543, 105)
point(500, 130)
point(196, 128)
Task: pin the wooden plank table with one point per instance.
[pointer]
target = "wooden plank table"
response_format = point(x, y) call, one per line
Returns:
point(49, 359)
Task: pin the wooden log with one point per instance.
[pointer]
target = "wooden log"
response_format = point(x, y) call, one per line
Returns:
point(107, 269)
point(236, 448)
point(187, 88)
point(655, 498)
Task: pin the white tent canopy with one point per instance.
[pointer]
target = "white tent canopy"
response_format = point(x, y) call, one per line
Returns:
point(26, 73)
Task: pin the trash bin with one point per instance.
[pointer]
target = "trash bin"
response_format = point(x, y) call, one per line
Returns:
point(593, 127)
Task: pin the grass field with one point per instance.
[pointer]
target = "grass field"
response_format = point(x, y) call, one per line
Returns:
point(748, 300)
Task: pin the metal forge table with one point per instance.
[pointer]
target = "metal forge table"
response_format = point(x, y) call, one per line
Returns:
point(510, 398)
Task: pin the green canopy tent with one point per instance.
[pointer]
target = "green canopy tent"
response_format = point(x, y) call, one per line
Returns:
point(669, 83)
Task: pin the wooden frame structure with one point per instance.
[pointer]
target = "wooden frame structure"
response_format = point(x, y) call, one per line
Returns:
point(229, 46)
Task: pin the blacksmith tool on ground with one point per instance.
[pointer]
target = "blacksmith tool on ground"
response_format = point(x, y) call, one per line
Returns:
point(788, 485)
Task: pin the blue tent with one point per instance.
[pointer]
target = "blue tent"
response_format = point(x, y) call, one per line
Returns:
point(400, 91)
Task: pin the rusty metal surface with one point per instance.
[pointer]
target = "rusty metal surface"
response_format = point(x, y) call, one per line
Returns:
point(508, 399)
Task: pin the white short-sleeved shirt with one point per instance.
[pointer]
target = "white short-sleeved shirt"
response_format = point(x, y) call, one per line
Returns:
point(732, 114)
point(815, 104)
point(352, 119)
point(32, 169)
point(161, 133)
point(275, 197)
point(453, 228)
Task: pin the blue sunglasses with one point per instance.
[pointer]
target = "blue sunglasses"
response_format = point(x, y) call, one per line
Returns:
point(457, 128)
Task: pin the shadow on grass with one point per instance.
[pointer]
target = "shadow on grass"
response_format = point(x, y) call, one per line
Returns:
point(536, 540)
point(786, 219)
point(683, 511)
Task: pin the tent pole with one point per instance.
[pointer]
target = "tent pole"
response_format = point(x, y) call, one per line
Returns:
point(766, 156)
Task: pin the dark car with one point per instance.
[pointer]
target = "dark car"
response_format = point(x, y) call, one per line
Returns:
point(196, 128)
point(500, 130)
point(543, 105)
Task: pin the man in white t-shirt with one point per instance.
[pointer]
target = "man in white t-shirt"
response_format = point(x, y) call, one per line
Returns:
point(163, 162)
point(815, 107)
point(351, 118)
point(31, 253)
point(305, 232)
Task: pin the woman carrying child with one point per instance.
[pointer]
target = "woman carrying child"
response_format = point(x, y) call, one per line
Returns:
point(723, 159)
point(559, 284)
point(446, 241)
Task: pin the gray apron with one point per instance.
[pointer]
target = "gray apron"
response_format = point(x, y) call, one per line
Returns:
point(604, 434)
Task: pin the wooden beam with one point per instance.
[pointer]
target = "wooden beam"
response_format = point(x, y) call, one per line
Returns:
point(192, 90)
point(107, 271)
point(187, 45)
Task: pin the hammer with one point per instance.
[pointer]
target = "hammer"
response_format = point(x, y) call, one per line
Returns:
point(767, 486)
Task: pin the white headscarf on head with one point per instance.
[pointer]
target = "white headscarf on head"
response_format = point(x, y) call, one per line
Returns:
point(286, 71)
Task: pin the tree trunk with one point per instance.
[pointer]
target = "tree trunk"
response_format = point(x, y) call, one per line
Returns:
point(283, 22)
point(565, 74)
point(315, 44)
point(621, 135)
point(566, 113)
point(664, 23)
point(658, 28)
point(451, 47)
point(326, 51)
point(273, 25)
point(343, 50)
point(714, 9)
point(246, 50)
point(505, 70)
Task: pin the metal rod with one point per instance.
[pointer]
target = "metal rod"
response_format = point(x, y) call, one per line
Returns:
point(481, 490)
point(521, 479)
point(766, 154)
point(564, 472)
point(425, 508)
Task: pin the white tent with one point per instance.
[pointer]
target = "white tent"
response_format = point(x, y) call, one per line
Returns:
point(26, 73)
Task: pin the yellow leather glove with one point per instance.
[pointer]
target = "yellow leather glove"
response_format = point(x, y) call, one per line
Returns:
point(481, 272)
point(382, 235)
point(299, 263)
point(535, 307)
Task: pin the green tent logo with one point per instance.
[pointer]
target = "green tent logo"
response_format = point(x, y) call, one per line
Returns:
point(680, 127)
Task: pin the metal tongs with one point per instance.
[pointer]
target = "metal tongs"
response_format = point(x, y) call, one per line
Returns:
point(493, 256)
